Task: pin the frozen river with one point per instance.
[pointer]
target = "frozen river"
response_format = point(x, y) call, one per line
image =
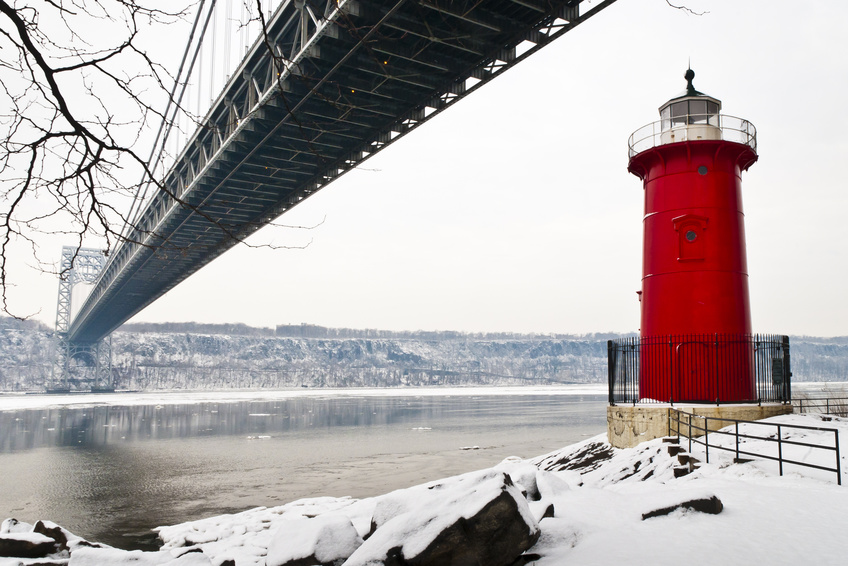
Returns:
point(110, 468)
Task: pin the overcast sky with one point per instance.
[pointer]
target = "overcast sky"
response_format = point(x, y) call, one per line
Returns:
point(514, 211)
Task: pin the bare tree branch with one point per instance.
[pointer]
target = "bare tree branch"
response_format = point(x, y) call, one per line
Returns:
point(686, 9)
point(80, 92)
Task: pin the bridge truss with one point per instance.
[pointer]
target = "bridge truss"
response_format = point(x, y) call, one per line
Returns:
point(329, 84)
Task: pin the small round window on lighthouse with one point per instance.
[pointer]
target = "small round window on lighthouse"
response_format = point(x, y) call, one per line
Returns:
point(702, 170)
point(691, 236)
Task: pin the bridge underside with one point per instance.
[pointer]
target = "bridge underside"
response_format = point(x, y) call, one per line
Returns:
point(345, 80)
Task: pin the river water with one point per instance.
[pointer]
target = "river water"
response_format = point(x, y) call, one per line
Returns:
point(111, 472)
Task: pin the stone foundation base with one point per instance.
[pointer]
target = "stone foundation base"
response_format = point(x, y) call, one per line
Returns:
point(628, 426)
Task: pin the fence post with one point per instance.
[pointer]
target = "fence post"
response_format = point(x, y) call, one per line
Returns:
point(717, 377)
point(671, 367)
point(780, 449)
point(787, 370)
point(838, 459)
point(707, 437)
point(610, 372)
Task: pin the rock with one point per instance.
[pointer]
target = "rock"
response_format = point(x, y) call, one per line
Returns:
point(711, 505)
point(589, 457)
point(53, 531)
point(523, 475)
point(542, 509)
point(312, 541)
point(550, 485)
point(525, 559)
point(26, 545)
point(12, 525)
point(473, 519)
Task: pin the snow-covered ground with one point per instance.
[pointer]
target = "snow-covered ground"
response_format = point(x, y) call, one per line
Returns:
point(20, 401)
point(599, 497)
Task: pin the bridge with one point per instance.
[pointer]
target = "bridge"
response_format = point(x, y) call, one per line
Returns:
point(326, 85)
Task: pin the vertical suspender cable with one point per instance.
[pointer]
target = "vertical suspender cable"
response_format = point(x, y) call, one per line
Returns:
point(213, 63)
point(167, 123)
point(227, 43)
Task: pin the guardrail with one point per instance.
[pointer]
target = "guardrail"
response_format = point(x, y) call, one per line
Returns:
point(697, 127)
point(698, 430)
point(827, 405)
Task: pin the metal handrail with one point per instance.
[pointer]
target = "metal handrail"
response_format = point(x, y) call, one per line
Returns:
point(727, 128)
point(839, 405)
point(701, 437)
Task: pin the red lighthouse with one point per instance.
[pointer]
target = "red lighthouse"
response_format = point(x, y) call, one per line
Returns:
point(695, 312)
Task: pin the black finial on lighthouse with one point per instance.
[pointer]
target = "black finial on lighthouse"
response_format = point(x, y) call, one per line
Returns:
point(690, 89)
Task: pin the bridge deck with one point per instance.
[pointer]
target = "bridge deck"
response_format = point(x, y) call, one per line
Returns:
point(345, 81)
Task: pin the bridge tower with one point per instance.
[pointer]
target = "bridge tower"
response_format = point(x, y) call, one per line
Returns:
point(79, 364)
point(695, 308)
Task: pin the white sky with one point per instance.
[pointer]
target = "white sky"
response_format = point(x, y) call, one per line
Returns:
point(514, 211)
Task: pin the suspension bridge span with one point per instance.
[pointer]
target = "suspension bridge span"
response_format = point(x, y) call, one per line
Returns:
point(328, 84)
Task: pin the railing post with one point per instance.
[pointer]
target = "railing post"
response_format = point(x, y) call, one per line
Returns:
point(707, 437)
point(690, 432)
point(737, 441)
point(838, 459)
point(780, 449)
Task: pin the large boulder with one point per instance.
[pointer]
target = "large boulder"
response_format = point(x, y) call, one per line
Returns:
point(26, 545)
point(469, 520)
point(21, 540)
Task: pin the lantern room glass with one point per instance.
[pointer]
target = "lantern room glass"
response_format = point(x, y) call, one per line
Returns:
point(689, 111)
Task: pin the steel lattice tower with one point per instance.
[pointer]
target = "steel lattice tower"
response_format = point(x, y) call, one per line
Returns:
point(79, 265)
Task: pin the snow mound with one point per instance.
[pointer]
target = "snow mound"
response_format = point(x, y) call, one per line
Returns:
point(316, 540)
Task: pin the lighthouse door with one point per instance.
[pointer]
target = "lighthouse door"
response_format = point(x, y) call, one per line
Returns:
point(694, 368)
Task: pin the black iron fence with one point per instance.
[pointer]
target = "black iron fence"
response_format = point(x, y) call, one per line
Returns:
point(726, 435)
point(699, 368)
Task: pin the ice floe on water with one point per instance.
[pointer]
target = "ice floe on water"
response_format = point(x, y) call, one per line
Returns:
point(14, 401)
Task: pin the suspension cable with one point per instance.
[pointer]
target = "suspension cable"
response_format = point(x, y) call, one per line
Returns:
point(167, 123)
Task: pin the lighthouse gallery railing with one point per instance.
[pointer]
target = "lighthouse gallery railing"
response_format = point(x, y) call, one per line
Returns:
point(700, 363)
point(697, 127)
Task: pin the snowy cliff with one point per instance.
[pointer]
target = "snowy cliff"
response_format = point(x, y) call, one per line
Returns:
point(320, 357)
